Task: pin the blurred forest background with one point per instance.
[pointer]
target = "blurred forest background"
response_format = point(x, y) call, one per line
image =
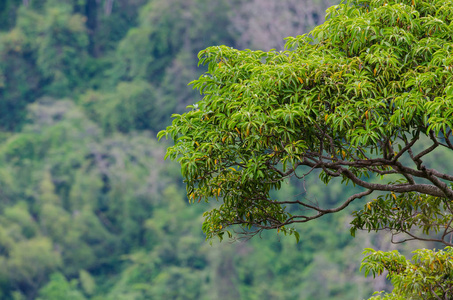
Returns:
point(88, 207)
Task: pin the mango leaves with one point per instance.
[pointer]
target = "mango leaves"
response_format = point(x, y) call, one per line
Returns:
point(428, 275)
point(366, 94)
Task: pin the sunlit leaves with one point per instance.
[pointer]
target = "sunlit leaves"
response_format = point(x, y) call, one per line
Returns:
point(427, 275)
point(353, 89)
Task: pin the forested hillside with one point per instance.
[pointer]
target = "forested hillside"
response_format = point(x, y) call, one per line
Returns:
point(88, 207)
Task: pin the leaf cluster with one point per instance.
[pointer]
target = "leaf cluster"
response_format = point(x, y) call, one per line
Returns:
point(407, 213)
point(350, 99)
point(428, 275)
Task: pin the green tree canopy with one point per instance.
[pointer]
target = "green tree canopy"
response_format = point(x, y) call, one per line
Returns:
point(366, 95)
point(88, 209)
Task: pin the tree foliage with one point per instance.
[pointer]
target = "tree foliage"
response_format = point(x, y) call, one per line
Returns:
point(88, 209)
point(365, 97)
point(427, 275)
point(353, 105)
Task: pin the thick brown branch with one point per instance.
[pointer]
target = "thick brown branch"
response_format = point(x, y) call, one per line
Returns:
point(440, 184)
point(334, 170)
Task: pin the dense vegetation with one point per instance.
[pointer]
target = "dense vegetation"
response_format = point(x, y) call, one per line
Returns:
point(88, 208)
point(367, 94)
